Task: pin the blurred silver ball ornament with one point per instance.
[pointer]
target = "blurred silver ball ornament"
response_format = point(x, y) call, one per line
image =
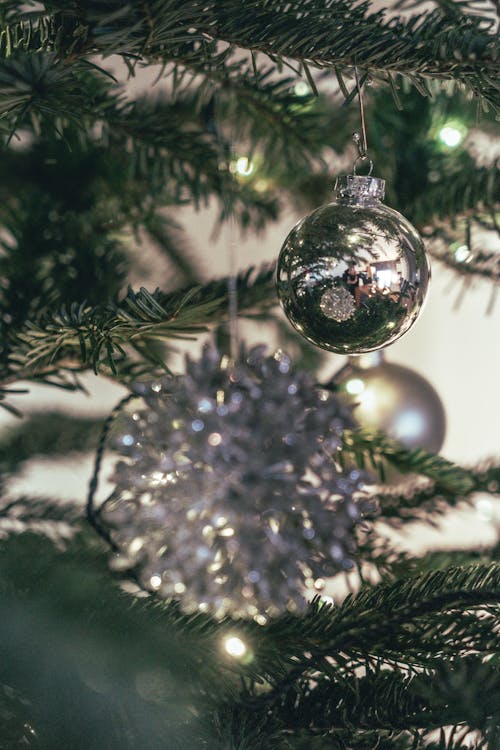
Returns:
point(227, 498)
point(395, 400)
point(357, 245)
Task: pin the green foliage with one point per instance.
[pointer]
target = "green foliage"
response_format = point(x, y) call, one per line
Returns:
point(47, 434)
point(449, 45)
point(41, 86)
point(67, 238)
point(434, 498)
point(97, 336)
point(110, 675)
point(169, 237)
point(478, 263)
point(369, 448)
point(390, 699)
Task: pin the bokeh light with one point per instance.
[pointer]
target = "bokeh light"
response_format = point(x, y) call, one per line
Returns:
point(452, 134)
point(235, 646)
point(244, 166)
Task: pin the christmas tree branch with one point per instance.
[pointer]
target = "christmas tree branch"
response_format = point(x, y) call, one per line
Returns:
point(378, 552)
point(97, 337)
point(369, 448)
point(40, 516)
point(48, 620)
point(171, 156)
point(462, 189)
point(435, 44)
point(47, 434)
point(394, 700)
point(168, 236)
point(168, 165)
point(410, 621)
point(169, 632)
point(446, 558)
point(409, 616)
point(476, 263)
point(416, 502)
point(34, 88)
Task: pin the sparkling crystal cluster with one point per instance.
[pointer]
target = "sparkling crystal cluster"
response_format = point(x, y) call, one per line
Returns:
point(227, 497)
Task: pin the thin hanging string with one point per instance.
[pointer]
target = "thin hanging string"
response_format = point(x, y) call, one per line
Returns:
point(225, 154)
point(364, 145)
point(228, 198)
point(361, 140)
point(232, 288)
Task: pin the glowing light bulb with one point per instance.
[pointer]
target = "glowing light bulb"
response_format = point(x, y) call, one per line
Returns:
point(451, 134)
point(301, 89)
point(235, 646)
point(462, 253)
point(355, 386)
point(244, 166)
point(262, 185)
point(325, 599)
point(484, 508)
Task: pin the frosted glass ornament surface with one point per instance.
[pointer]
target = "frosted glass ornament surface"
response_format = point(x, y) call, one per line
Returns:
point(358, 246)
point(395, 400)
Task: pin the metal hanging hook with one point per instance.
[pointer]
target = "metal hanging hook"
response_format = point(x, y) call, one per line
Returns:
point(360, 139)
point(359, 160)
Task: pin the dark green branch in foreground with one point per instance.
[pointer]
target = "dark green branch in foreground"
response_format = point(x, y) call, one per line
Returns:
point(413, 621)
point(353, 668)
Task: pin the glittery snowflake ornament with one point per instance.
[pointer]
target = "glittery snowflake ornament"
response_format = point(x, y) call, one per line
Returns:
point(227, 498)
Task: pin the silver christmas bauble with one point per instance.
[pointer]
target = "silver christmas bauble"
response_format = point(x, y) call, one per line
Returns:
point(359, 247)
point(395, 400)
point(227, 497)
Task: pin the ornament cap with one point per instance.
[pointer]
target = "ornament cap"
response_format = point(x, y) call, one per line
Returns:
point(356, 190)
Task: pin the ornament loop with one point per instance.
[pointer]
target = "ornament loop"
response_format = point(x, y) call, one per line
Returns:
point(359, 161)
